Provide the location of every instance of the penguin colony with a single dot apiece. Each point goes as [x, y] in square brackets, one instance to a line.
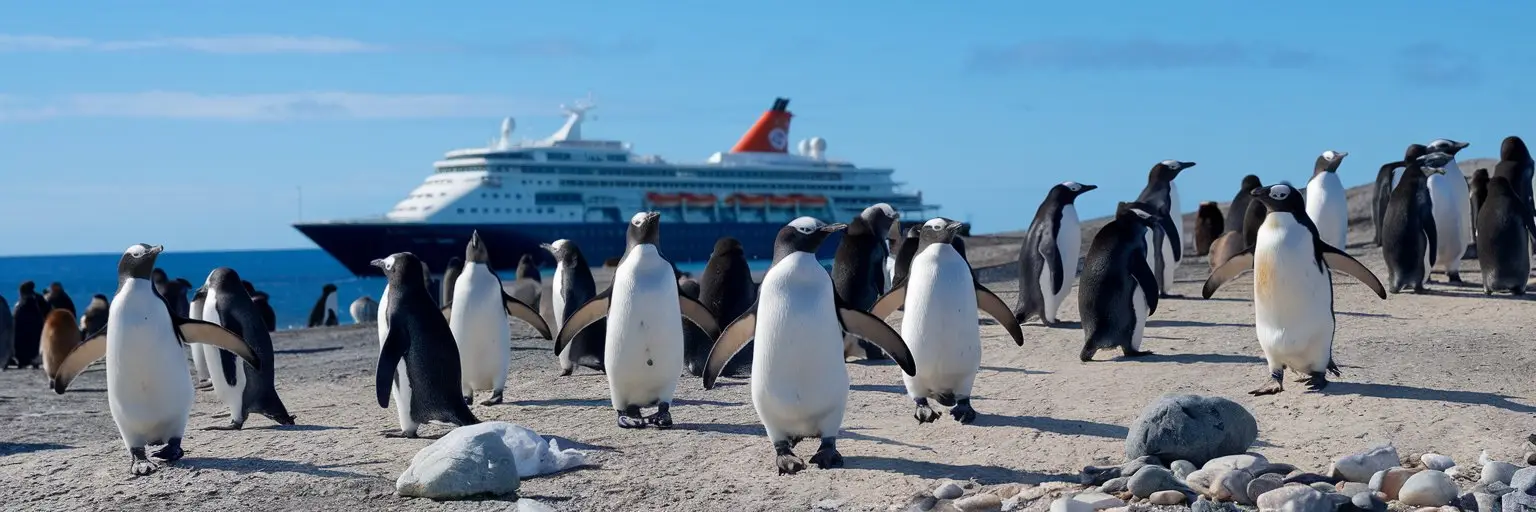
[794, 331]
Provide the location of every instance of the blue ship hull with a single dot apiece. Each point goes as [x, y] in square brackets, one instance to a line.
[355, 244]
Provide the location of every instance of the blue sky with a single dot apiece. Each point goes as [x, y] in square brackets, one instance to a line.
[194, 125]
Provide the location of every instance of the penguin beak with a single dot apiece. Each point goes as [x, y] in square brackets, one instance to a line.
[1339, 155]
[953, 226]
[1085, 188]
[377, 263]
[547, 247]
[1461, 145]
[833, 228]
[156, 249]
[1259, 191]
[1185, 165]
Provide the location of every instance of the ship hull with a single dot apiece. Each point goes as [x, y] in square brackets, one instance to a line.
[355, 244]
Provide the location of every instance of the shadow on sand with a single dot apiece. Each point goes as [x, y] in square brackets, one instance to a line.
[1190, 323]
[1059, 426]
[20, 448]
[307, 350]
[1194, 358]
[1438, 395]
[254, 465]
[985, 475]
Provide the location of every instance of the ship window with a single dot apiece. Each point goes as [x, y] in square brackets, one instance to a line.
[554, 156]
[519, 196]
[617, 158]
[461, 210]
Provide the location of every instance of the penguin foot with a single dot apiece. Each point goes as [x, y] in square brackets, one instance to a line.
[1128, 352]
[469, 399]
[1453, 278]
[787, 462]
[233, 425]
[663, 416]
[872, 352]
[962, 412]
[566, 372]
[1087, 354]
[171, 452]
[204, 385]
[1317, 381]
[282, 420]
[924, 413]
[398, 434]
[141, 465]
[630, 417]
[1271, 386]
[826, 456]
[495, 398]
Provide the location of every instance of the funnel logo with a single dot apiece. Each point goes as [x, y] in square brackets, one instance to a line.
[778, 138]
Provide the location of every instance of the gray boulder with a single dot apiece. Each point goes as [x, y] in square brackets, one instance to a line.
[1524, 494]
[1191, 427]
[457, 467]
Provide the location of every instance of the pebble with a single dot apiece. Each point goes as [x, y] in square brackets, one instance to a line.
[1437, 462]
[1099, 500]
[1298, 498]
[1167, 498]
[923, 503]
[1324, 488]
[948, 491]
[1524, 481]
[1115, 486]
[1152, 479]
[1264, 484]
[1182, 468]
[1389, 482]
[1428, 488]
[1232, 485]
[1253, 463]
[1351, 488]
[1498, 471]
[1309, 479]
[1361, 466]
[1006, 491]
[1070, 505]
[827, 505]
[984, 502]
[1368, 502]
[1530, 458]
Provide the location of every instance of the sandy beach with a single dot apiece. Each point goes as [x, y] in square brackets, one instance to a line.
[1449, 372]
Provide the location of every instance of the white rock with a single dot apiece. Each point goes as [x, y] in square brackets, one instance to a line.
[1361, 466]
[1070, 505]
[1250, 462]
[1428, 488]
[1294, 498]
[1437, 462]
[1099, 500]
[984, 502]
[460, 466]
[1167, 498]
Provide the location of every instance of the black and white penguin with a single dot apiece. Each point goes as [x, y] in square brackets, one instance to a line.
[1237, 211]
[58, 299]
[1518, 171]
[244, 388]
[1479, 193]
[893, 238]
[1381, 194]
[418, 359]
[1118, 289]
[1253, 218]
[1505, 226]
[263, 305]
[726, 288]
[941, 299]
[858, 268]
[479, 318]
[450, 277]
[1292, 289]
[148, 390]
[1209, 225]
[1167, 238]
[1048, 254]
[325, 311]
[7, 334]
[31, 309]
[904, 255]
[1409, 236]
[643, 350]
[529, 286]
[95, 316]
[1452, 210]
[1326, 204]
[199, 361]
[799, 381]
[573, 287]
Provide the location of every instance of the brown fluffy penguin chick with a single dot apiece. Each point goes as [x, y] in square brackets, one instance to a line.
[60, 337]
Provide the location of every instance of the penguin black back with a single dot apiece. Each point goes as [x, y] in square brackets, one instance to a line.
[7, 333]
[1408, 229]
[30, 311]
[1479, 190]
[727, 289]
[904, 255]
[321, 314]
[1209, 224]
[527, 269]
[450, 277]
[1115, 266]
[95, 316]
[238, 314]
[1237, 212]
[58, 299]
[419, 334]
[858, 276]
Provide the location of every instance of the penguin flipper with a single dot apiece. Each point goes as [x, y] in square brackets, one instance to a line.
[87, 352]
[731, 340]
[584, 316]
[228, 363]
[988, 301]
[1148, 283]
[1429, 231]
[1171, 233]
[890, 301]
[389, 358]
[1234, 267]
[209, 333]
[874, 330]
[700, 315]
[522, 311]
[1052, 257]
[1338, 260]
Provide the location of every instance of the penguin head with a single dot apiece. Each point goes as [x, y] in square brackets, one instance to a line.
[138, 262]
[726, 245]
[1447, 146]
[1167, 170]
[456, 263]
[1138, 212]
[1414, 151]
[805, 234]
[475, 251]
[914, 231]
[880, 217]
[1480, 175]
[1513, 149]
[564, 251]
[225, 279]
[1067, 191]
[55, 287]
[202, 293]
[938, 230]
[325, 290]
[402, 269]
[526, 264]
[1434, 163]
[644, 228]
[1329, 161]
[1280, 197]
[249, 288]
[1251, 182]
[158, 275]
[27, 288]
[98, 297]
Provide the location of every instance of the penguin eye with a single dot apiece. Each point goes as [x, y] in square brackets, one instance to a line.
[1280, 193]
[1171, 164]
[1073, 186]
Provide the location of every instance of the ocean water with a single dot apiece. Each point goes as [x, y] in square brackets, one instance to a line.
[293, 278]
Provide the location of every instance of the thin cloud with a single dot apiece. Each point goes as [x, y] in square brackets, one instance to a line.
[1435, 65]
[263, 107]
[231, 44]
[1134, 54]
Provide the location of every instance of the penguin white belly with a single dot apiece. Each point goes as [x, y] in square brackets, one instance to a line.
[890, 264]
[643, 352]
[1139, 306]
[1148, 238]
[480, 329]
[147, 386]
[559, 312]
[1328, 208]
[1463, 198]
[799, 380]
[1397, 175]
[402, 385]
[331, 307]
[1069, 241]
[233, 395]
[1292, 299]
[1169, 265]
[199, 362]
[1450, 237]
[940, 324]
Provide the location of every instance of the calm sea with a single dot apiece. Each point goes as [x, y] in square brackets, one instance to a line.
[292, 278]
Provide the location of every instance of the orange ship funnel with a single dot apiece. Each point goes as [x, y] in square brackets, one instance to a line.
[770, 134]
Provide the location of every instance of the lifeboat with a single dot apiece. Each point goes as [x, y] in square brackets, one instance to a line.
[816, 201]
[663, 200]
[699, 200]
[783, 201]
[747, 200]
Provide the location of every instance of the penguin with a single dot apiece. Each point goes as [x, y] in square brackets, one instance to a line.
[1409, 236]
[450, 277]
[529, 285]
[1048, 254]
[1167, 240]
[29, 313]
[199, 361]
[242, 387]
[726, 288]
[1253, 218]
[688, 286]
[893, 238]
[1238, 209]
[799, 380]
[1451, 208]
[263, 305]
[1519, 171]
[417, 355]
[148, 390]
[1505, 225]
[941, 299]
[95, 316]
[7, 333]
[858, 276]
[1326, 204]
[1479, 193]
[478, 318]
[904, 255]
[1209, 225]
[573, 287]
[324, 313]
[1381, 195]
[643, 350]
[364, 310]
[1226, 246]
[1292, 289]
[1118, 289]
[58, 299]
[59, 337]
[173, 291]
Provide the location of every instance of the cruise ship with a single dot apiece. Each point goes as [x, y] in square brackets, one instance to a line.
[519, 194]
